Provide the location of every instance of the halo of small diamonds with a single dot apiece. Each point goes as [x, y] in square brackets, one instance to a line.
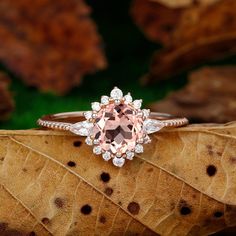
[117, 127]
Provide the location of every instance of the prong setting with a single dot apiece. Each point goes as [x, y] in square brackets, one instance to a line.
[138, 148]
[137, 103]
[146, 113]
[129, 155]
[106, 156]
[96, 141]
[116, 93]
[89, 141]
[88, 115]
[97, 150]
[105, 100]
[128, 98]
[96, 106]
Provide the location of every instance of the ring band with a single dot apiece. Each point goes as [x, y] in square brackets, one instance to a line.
[51, 121]
[117, 127]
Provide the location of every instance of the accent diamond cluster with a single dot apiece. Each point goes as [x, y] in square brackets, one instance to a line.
[117, 127]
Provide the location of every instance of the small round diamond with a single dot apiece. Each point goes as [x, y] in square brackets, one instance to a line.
[88, 115]
[128, 98]
[96, 141]
[116, 93]
[137, 103]
[117, 102]
[94, 115]
[89, 141]
[140, 140]
[96, 106]
[129, 155]
[146, 139]
[97, 150]
[138, 148]
[106, 156]
[146, 112]
[118, 161]
[105, 100]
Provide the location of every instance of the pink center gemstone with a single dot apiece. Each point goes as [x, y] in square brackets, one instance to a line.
[117, 128]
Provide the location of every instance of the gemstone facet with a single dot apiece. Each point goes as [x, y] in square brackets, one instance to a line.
[117, 129]
[151, 125]
[81, 128]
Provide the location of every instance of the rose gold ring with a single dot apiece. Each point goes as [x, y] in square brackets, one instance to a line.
[117, 127]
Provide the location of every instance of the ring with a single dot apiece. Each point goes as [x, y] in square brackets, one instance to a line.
[116, 127]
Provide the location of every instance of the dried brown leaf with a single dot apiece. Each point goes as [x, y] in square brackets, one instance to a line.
[6, 102]
[49, 44]
[209, 97]
[191, 35]
[51, 180]
[184, 3]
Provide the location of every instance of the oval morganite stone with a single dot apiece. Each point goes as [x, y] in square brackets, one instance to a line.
[117, 128]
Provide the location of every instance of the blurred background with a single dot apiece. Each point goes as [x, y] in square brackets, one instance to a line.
[178, 56]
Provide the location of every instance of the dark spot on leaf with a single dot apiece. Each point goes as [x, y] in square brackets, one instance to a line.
[210, 151]
[133, 208]
[37, 169]
[218, 214]
[86, 209]
[2, 158]
[59, 202]
[184, 208]
[150, 170]
[232, 160]
[45, 220]
[108, 191]
[120, 203]
[77, 143]
[46, 141]
[209, 147]
[32, 233]
[71, 163]
[24, 169]
[211, 170]
[3, 226]
[105, 177]
[219, 154]
[102, 219]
